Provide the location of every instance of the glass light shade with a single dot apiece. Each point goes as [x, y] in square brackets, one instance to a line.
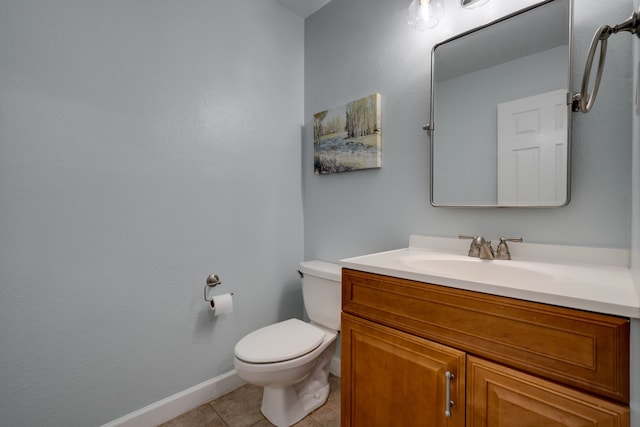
[471, 4]
[425, 14]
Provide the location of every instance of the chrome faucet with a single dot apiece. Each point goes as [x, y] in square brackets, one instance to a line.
[480, 247]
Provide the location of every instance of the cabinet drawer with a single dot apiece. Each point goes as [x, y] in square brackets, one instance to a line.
[585, 350]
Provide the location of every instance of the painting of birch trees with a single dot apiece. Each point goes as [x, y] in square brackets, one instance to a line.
[348, 137]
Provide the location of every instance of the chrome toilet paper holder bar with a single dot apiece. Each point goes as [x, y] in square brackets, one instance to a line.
[212, 280]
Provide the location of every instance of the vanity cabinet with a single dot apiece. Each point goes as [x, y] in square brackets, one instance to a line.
[514, 363]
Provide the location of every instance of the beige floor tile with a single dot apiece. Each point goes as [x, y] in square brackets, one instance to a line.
[263, 423]
[241, 407]
[202, 416]
[307, 422]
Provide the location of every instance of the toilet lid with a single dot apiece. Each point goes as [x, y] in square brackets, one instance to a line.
[279, 342]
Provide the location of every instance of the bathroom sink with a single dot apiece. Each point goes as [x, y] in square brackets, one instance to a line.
[593, 279]
[468, 268]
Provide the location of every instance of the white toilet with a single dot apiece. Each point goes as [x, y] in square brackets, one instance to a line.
[290, 359]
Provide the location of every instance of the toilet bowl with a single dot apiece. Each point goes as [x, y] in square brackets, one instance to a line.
[291, 359]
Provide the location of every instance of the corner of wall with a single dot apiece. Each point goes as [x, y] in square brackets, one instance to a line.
[635, 215]
[635, 226]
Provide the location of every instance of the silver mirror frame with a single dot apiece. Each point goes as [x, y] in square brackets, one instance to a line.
[429, 128]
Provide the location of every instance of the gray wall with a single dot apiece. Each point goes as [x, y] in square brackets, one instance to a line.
[635, 243]
[635, 114]
[143, 146]
[357, 47]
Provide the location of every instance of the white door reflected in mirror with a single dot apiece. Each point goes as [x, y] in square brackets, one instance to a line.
[532, 150]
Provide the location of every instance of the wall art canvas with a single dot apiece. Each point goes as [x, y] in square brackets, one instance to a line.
[348, 137]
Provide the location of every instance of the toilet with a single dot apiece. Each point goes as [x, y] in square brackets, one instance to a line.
[291, 359]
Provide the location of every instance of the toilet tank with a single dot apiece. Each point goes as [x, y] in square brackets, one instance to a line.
[322, 292]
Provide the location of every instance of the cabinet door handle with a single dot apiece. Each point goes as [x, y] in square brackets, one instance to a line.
[449, 403]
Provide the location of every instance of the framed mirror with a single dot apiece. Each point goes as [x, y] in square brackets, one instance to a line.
[500, 122]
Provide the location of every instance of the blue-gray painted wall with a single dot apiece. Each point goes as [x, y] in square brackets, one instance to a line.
[635, 228]
[357, 47]
[143, 145]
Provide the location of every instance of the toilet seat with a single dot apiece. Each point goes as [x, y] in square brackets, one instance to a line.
[279, 342]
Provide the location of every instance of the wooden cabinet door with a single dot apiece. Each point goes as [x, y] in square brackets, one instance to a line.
[502, 397]
[391, 378]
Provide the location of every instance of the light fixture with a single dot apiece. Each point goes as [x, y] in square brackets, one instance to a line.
[425, 14]
[470, 4]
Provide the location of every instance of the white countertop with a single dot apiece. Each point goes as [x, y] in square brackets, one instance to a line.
[592, 279]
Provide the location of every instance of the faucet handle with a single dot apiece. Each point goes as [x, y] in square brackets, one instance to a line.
[477, 240]
[502, 251]
[476, 243]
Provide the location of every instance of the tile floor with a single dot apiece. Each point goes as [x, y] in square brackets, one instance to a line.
[241, 408]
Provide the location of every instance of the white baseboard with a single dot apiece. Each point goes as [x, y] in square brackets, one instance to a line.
[184, 401]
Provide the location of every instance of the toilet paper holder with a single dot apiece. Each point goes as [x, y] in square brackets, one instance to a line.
[212, 281]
